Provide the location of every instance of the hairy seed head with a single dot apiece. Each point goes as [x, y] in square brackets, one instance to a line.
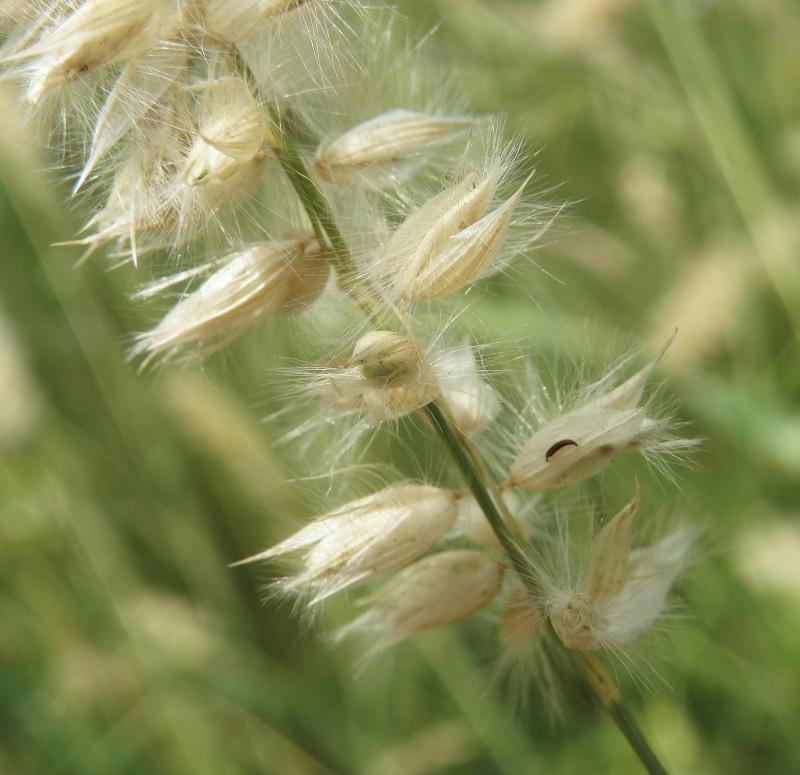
[95, 34]
[365, 538]
[434, 591]
[237, 20]
[450, 241]
[386, 148]
[623, 591]
[231, 131]
[385, 376]
[585, 441]
[262, 281]
[138, 203]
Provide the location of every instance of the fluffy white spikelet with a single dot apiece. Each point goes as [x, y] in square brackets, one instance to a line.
[174, 180]
[521, 621]
[471, 401]
[139, 203]
[95, 34]
[385, 376]
[450, 241]
[623, 592]
[231, 131]
[609, 555]
[583, 442]
[366, 538]
[437, 590]
[141, 85]
[264, 280]
[387, 148]
[237, 20]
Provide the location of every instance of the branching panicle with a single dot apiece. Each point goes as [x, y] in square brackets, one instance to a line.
[225, 133]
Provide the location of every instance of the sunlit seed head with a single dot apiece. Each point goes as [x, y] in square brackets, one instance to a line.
[386, 375]
[620, 591]
[451, 241]
[138, 202]
[231, 131]
[386, 148]
[464, 258]
[366, 538]
[132, 101]
[417, 242]
[95, 34]
[238, 20]
[432, 592]
[579, 445]
[262, 281]
[585, 441]
[176, 182]
[385, 355]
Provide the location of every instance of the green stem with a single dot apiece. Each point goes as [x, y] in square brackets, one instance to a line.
[627, 725]
[323, 223]
[605, 690]
[311, 197]
[322, 220]
[476, 481]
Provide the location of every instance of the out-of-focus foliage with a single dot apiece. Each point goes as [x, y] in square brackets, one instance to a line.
[126, 643]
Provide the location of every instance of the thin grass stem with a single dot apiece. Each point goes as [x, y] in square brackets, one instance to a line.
[607, 693]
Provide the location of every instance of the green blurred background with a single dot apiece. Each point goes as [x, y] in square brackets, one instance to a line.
[127, 644]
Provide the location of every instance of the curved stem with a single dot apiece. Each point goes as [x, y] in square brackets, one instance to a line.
[321, 217]
[462, 453]
[311, 197]
[314, 203]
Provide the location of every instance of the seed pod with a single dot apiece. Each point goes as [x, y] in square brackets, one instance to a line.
[141, 85]
[237, 20]
[385, 355]
[231, 131]
[385, 376]
[386, 148]
[139, 204]
[437, 590]
[366, 538]
[450, 241]
[262, 281]
[586, 440]
[96, 34]
[622, 591]
[597, 437]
